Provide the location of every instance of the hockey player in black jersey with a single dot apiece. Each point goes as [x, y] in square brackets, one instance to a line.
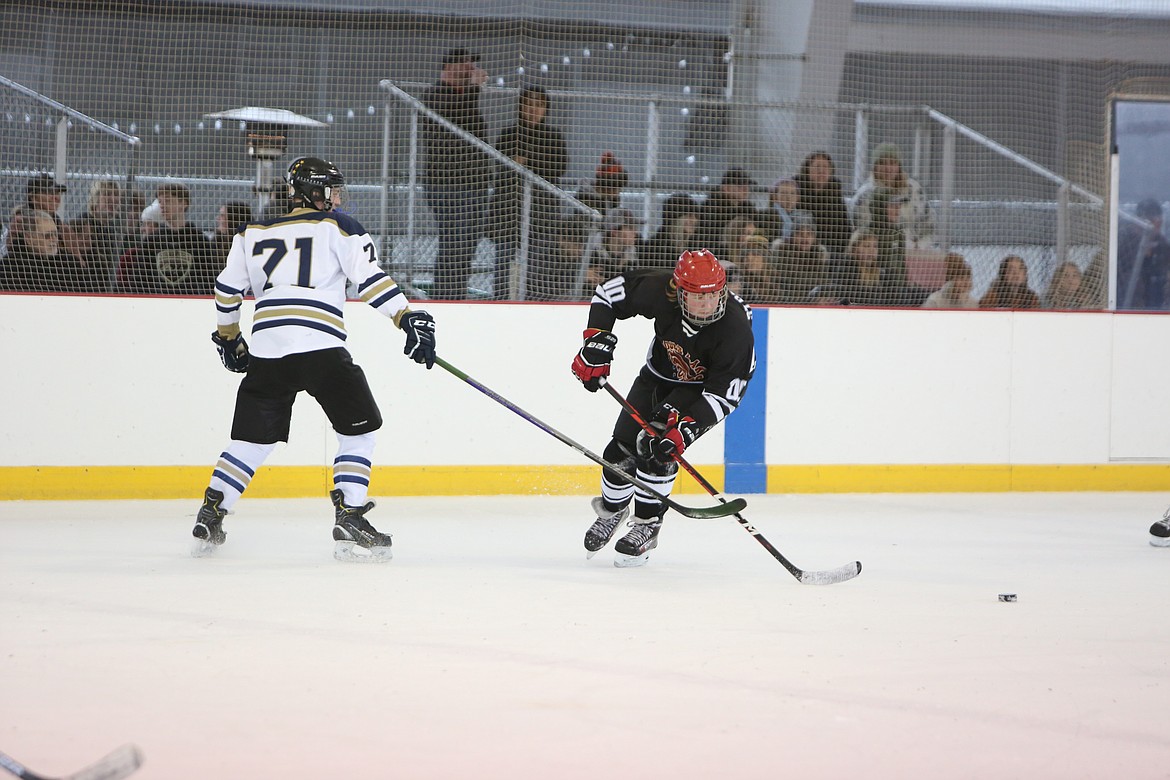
[297, 266]
[698, 369]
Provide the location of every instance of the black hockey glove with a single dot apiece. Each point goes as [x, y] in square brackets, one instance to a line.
[593, 359]
[676, 435]
[233, 352]
[420, 337]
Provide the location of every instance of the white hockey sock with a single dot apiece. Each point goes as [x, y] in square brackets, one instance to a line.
[351, 467]
[616, 494]
[647, 505]
[236, 467]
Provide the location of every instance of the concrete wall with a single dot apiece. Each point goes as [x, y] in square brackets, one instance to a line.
[108, 397]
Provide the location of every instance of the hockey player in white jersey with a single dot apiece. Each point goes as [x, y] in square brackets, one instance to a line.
[297, 266]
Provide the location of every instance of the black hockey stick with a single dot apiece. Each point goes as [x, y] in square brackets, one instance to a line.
[828, 577]
[123, 762]
[707, 511]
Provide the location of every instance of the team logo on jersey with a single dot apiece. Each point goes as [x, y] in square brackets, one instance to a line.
[174, 265]
[686, 368]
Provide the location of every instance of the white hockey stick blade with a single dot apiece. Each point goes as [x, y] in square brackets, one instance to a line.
[831, 576]
[123, 762]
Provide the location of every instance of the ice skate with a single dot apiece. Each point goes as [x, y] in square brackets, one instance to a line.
[634, 548]
[603, 527]
[354, 539]
[1160, 531]
[208, 530]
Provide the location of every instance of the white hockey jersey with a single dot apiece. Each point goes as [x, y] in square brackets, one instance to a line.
[297, 266]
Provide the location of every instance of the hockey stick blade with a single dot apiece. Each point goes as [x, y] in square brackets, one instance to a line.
[829, 577]
[121, 763]
[722, 509]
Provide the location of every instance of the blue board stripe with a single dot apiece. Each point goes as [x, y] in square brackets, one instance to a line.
[744, 461]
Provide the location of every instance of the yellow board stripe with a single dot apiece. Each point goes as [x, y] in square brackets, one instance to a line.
[164, 482]
[966, 478]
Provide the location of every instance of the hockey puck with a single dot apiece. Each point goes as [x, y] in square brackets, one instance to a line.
[1007, 597]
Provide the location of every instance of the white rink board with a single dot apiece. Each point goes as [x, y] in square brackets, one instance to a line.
[124, 382]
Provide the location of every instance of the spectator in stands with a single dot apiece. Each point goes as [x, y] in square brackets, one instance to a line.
[820, 194]
[228, 220]
[956, 290]
[41, 193]
[1010, 288]
[563, 277]
[731, 200]
[801, 264]
[889, 178]
[79, 253]
[538, 146]
[755, 278]
[36, 263]
[10, 236]
[131, 274]
[106, 226]
[175, 258]
[735, 233]
[456, 174]
[605, 193]
[1143, 260]
[783, 199]
[12, 271]
[680, 222]
[862, 280]
[1066, 290]
[883, 221]
[609, 253]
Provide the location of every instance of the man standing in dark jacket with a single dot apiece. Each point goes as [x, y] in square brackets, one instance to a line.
[456, 173]
[539, 147]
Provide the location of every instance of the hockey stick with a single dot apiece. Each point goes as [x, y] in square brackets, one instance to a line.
[827, 577]
[707, 511]
[123, 762]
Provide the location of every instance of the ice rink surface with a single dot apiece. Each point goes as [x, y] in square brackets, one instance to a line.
[489, 648]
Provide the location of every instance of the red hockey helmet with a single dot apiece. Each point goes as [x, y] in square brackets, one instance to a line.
[702, 286]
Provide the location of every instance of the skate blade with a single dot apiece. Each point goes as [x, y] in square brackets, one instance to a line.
[201, 548]
[350, 552]
[1159, 541]
[623, 561]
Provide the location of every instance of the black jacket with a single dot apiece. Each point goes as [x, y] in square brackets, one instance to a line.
[450, 160]
[547, 156]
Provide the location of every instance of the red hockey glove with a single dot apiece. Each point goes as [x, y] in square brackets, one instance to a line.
[593, 359]
[680, 432]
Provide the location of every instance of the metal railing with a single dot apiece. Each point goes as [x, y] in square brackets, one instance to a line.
[67, 116]
[517, 286]
[1070, 198]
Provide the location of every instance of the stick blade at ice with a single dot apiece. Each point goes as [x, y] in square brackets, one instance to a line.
[831, 576]
[123, 762]
[718, 510]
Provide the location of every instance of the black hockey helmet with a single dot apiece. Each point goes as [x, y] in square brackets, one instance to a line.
[312, 181]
